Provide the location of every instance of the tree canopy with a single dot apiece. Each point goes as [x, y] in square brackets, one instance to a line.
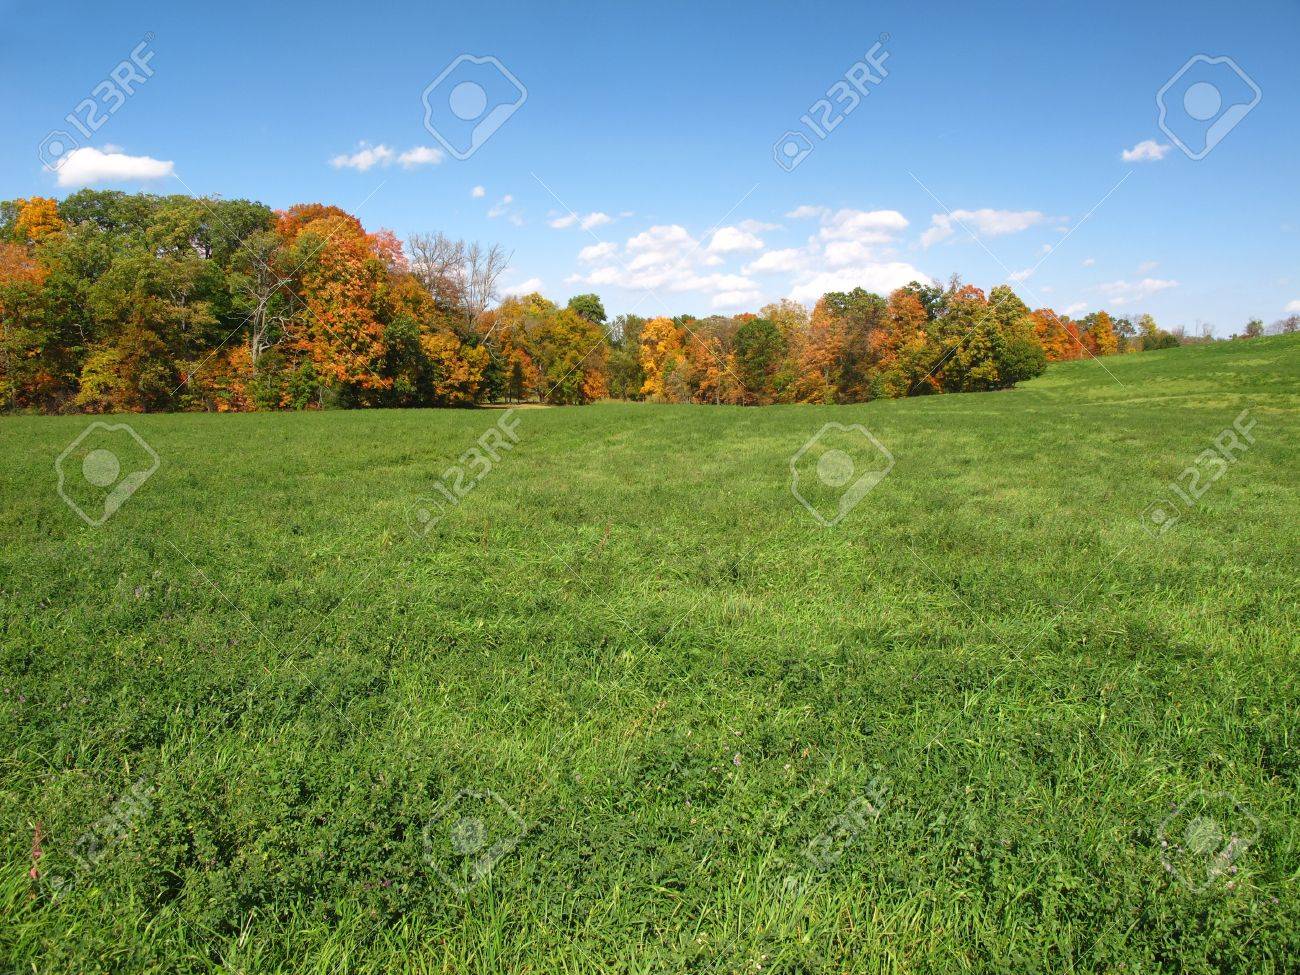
[113, 302]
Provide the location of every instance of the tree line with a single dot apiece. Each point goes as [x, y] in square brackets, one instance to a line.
[114, 302]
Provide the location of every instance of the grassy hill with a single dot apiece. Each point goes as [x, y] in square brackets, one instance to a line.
[629, 707]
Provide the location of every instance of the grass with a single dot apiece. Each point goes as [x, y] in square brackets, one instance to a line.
[946, 735]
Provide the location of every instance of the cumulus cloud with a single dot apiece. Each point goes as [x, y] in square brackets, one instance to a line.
[736, 299]
[881, 278]
[585, 221]
[1147, 266]
[667, 257]
[784, 259]
[1148, 150]
[839, 253]
[82, 167]
[850, 248]
[421, 156]
[364, 158]
[1089, 261]
[478, 192]
[523, 287]
[1128, 292]
[1022, 275]
[368, 156]
[863, 226]
[1075, 308]
[597, 252]
[983, 223]
[660, 244]
[728, 239]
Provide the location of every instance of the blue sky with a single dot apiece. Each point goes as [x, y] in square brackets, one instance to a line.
[655, 125]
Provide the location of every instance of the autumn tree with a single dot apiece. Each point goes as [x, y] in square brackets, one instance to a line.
[1050, 331]
[260, 284]
[759, 347]
[820, 355]
[515, 386]
[36, 219]
[1099, 334]
[909, 355]
[589, 306]
[662, 355]
[571, 352]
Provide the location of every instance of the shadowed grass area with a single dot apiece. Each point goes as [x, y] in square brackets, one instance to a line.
[629, 707]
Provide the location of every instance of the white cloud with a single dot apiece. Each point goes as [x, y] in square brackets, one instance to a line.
[849, 250]
[736, 299]
[982, 223]
[478, 192]
[82, 167]
[597, 252]
[1075, 308]
[586, 222]
[1128, 292]
[880, 278]
[728, 239]
[785, 259]
[364, 158]
[661, 242]
[1292, 307]
[839, 253]
[1147, 266]
[1022, 275]
[367, 157]
[665, 257]
[523, 287]
[864, 226]
[421, 156]
[1148, 150]
[1089, 261]
[501, 208]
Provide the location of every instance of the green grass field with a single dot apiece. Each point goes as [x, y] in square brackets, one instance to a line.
[629, 707]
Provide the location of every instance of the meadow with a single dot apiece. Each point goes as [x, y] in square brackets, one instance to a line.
[628, 707]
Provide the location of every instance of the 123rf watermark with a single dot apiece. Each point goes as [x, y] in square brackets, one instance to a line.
[469, 835]
[1203, 839]
[841, 100]
[100, 470]
[103, 102]
[836, 468]
[456, 483]
[93, 845]
[1198, 476]
[471, 98]
[827, 848]
[1203, 101]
